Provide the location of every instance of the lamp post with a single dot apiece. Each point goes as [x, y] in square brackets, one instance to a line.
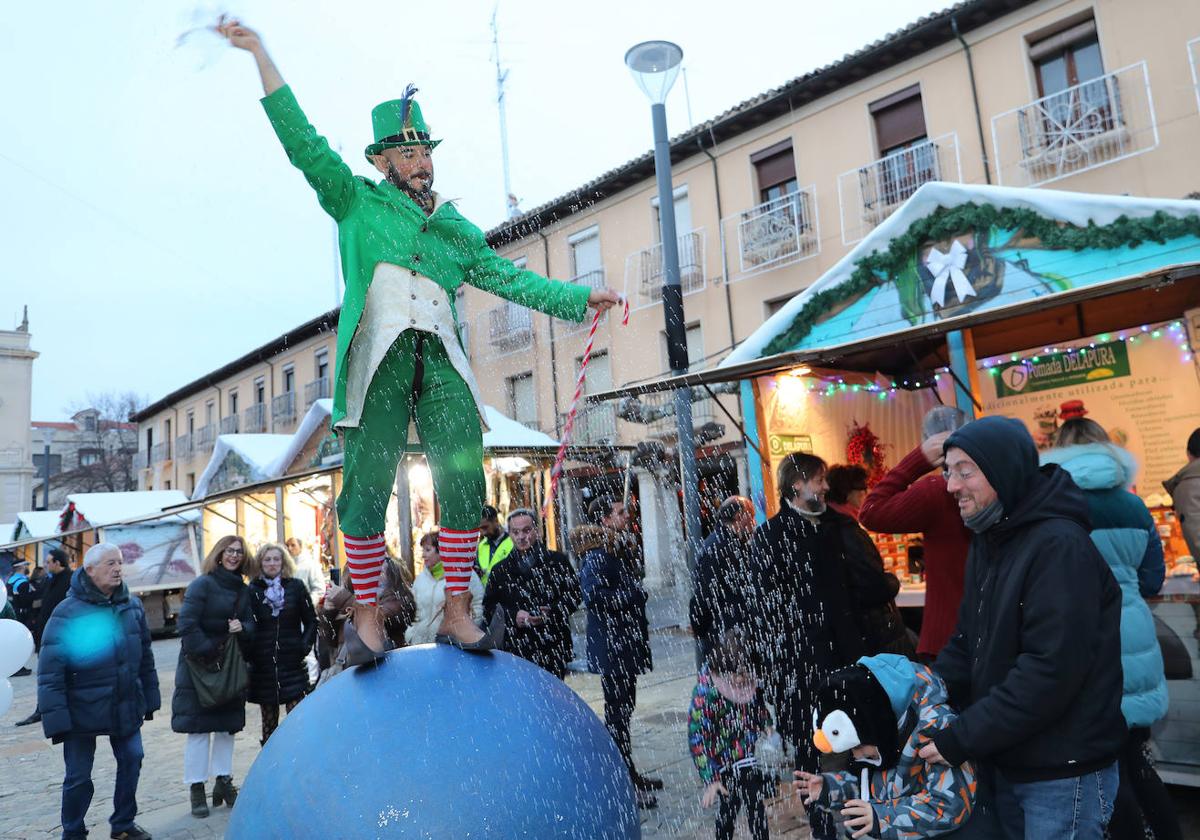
[654, 65]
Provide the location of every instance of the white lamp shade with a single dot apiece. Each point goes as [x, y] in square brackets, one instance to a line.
[654, 65]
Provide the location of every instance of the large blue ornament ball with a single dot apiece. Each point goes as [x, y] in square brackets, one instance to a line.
[439, 744]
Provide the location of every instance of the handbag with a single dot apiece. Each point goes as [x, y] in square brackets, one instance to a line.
[223, 677]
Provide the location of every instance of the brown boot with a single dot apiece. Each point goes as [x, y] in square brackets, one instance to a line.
[355, 651]
[459, 630]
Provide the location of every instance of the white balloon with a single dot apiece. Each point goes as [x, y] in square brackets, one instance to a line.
[16, 646]
[6, 695]
[3, 596]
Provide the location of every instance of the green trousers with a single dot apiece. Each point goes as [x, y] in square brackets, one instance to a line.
[415, 379]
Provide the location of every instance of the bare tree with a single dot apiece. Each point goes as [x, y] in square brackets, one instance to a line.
[107, 442]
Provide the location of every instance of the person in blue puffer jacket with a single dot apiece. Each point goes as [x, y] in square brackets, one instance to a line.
[1124, 532]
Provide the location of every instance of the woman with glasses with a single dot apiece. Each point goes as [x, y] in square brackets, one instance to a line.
[216, 612]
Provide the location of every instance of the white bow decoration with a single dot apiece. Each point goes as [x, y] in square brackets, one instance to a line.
[949, 266]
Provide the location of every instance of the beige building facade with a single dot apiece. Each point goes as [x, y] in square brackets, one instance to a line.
[267, 391]
[1083, 96]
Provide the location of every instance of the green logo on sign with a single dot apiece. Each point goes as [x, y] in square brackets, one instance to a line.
[1061, 370]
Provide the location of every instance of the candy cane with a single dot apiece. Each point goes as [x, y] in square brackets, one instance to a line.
[569, 426]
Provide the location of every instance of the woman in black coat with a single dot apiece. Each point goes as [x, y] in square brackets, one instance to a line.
[285, 630]
[216, 610]
[872, 590]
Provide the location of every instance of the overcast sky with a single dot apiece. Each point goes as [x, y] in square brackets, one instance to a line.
[154, 227]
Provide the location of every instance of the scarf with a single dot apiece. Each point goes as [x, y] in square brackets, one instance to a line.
[848, 509]
[986, 518]
[274, 595]
[435, 570]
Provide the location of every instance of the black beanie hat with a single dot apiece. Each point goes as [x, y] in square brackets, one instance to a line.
[857, 692]
[1004, 450]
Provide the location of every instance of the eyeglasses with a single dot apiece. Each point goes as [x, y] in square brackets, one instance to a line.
[235, 552]
[961, 475]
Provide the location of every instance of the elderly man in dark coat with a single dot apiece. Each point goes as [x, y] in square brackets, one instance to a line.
[96, 677]
[538, 591]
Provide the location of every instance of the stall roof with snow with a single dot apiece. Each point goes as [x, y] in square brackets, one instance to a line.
[239, 460]
[98, 509]
[36, 524]
[955, 254]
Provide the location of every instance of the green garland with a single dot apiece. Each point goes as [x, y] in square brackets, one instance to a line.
[884, 266]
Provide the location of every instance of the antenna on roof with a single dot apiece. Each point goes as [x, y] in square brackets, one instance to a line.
[510, 200]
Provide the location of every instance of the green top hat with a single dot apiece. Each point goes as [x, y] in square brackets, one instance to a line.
[398, 122]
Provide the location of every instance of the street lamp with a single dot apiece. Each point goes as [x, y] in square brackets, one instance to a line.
[654, 65]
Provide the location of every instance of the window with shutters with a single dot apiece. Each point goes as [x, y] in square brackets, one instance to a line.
[907, 158]
[775, 171]
[1069, 72]
[522, 400]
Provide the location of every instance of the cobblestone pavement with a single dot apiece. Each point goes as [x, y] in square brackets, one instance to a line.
[31, 768]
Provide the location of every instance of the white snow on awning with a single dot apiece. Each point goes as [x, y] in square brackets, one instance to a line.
[36, 524]
[506, 433]
[8, 532]
[260, 452]
[318, 413]
[105, 508]
[1072, 207]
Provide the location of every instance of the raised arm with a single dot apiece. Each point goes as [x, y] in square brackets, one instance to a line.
[308, 151]
[245, 38]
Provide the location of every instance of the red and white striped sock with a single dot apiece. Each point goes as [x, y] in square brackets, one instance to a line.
[364, 559]
[458, 550]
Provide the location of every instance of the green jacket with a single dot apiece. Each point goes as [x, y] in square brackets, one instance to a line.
[378, 223]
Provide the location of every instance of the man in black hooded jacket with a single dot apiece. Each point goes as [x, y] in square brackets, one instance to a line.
[1035, 662]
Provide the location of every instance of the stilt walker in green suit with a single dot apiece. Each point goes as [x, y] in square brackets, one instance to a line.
[404, 253]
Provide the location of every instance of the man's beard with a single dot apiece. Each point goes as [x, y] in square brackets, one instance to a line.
[421, 193]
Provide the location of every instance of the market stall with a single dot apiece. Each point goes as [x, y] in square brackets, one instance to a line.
[1033, 304]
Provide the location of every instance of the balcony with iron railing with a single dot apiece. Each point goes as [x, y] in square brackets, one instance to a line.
[595, 425]
[869, 194]
[1094, 123]
[318, 389]
[510, 328]
[283, 409]
[160, 452]
[645, 274]
[593, 280]
[141, 460]
[184, 447]
[205, 437]
[229, 424]
[254, 419]
[773, 234]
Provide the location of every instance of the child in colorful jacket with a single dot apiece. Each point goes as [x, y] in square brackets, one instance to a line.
[883, 709]
[727, 717]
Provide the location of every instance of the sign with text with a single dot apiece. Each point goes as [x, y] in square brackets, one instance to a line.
[1062, 370]
[1144, 393]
